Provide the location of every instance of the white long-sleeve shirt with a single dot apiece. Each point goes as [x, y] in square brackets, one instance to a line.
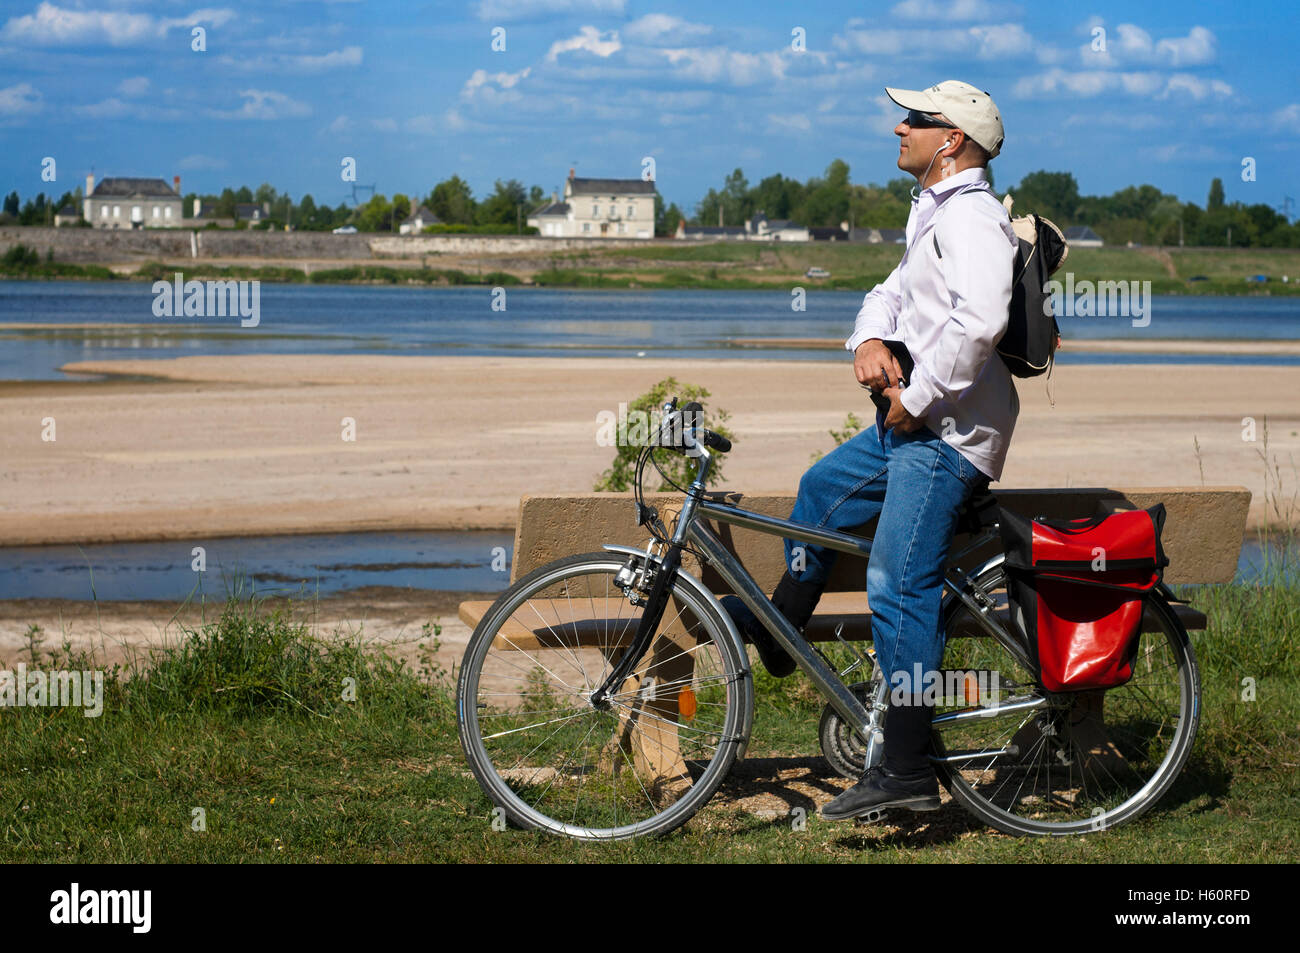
[950, 311]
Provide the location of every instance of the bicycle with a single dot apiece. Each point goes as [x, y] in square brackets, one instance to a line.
[584, 713]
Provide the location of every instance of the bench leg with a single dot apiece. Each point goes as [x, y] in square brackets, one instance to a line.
[647, 735]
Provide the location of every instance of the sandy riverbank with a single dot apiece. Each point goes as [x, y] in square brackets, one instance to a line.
[254, 445]
[120, 632]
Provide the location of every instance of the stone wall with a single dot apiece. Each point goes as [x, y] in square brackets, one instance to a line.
[113, 246]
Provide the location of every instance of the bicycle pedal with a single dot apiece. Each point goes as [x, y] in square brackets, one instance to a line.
[873, 816]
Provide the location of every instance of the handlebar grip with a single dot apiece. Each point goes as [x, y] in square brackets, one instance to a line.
[717, 442]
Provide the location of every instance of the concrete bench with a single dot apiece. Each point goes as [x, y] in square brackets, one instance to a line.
[1203, 533]
[1202, 537]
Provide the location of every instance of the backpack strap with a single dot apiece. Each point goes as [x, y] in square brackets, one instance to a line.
[934, 230]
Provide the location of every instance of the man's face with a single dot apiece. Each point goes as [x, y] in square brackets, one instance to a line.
[917, 146]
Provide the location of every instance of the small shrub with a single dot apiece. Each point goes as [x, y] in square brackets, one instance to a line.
[675, 464]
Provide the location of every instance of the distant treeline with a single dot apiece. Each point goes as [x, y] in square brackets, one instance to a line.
[1139, 214]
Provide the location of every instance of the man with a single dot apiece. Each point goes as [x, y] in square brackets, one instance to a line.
[945, 435]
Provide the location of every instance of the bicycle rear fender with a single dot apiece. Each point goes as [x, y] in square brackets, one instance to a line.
[689, 581]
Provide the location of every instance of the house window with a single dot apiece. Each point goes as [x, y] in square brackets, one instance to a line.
[631, 211]
[155, 211]
[117, 211]
[586, 226]
[167, 212]
[103, 211]
[622, 228]
[595, 211]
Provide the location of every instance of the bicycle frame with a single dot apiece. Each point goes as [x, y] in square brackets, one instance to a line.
[690, 527]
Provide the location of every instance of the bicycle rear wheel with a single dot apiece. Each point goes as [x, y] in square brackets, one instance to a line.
[1078, 762]
[643, 764]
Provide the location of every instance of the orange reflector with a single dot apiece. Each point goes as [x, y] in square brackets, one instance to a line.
[686, 703]
[972, 686]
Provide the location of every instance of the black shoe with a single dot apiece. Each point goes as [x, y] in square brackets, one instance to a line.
[774, 658]
[880, 789]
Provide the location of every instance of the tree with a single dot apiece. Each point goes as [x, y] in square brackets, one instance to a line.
[1053, 195]
[307, 214]
[452, 201]
[505, 206]
[11, 204]
[666, 220]
[1215, 199]
[376, 215]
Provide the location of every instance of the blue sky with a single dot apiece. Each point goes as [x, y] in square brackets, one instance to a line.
[1171, 93]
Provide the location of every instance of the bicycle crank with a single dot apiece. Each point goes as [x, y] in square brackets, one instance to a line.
[846, 750]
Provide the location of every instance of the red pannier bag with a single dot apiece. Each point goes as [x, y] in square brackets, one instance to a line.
[1079, 587]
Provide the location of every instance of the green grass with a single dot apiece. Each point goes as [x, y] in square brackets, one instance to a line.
[247, 720]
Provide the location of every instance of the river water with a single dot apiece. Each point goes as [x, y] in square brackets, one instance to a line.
[108, 320]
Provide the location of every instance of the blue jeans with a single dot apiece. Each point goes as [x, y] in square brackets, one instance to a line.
[916, 484]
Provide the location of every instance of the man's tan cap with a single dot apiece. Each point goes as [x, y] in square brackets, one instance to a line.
[969, 109]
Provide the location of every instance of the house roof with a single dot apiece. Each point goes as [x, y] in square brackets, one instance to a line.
[1077, 233]
[552, 208]
[424, 215]
[611, 187]
[773, 224]
[714, 230]
[122, 187]
[67, 210]
[827, 232]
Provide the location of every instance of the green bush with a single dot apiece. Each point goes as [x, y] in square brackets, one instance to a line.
[676, 465]
[20, 256]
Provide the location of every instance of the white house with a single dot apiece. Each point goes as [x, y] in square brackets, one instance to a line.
[418, 221]
[598, 208]
[133, 203]
[762, 228]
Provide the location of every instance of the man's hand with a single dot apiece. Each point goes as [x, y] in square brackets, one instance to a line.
[898, 416]
[872, 361]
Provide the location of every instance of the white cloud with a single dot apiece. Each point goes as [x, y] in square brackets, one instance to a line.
[424, 124]
[590, 39]
[994, 41]
[1197, 47]
[21, 100]
[719, 64]
[501, 10]
[1129, 44]
[790, 122]
[134, 86]
[1195, 87]
[264, 104]
[1288, 116]
[952, 10]
[384, 125]
[662, 29]
[492, 88]
[1006, 39]
[1089, 83]
[51, 25]
[297, 62]
[339, 126]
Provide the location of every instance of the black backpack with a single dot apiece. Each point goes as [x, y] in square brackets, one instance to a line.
[1031, 338]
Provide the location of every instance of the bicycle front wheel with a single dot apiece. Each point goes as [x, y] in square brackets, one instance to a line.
[1029, 762]
[642, 764]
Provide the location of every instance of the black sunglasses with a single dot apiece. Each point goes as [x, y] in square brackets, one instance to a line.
[919, 120]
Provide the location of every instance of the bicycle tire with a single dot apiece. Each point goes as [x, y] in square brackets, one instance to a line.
[1086, 762]
[552, 761]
